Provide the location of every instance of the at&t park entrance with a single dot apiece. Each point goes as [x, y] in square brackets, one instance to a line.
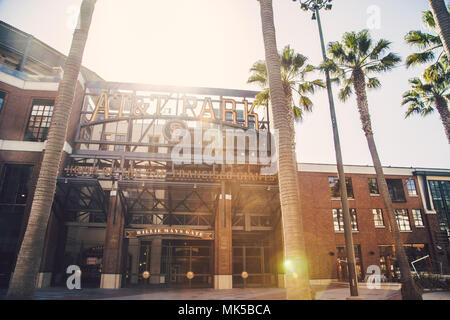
[170, 186]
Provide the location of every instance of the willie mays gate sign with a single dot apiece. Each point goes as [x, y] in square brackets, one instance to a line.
[121, 174]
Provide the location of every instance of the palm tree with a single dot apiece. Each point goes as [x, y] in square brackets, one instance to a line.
[442, 19]
[353, 61]
[293, 72]
[23, 281]
[430, 94]
[297, 277]
[429, 44]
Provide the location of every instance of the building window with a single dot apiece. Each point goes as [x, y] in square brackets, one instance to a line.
[342, 268]
[417, 216]
[14, 188]
[411, 186]
[334, 187]
[402, 218]
[440, 194]
[2, 99]
[396, 190]
[39, 121]
[373, 186]
[378, 217]
[338, 219]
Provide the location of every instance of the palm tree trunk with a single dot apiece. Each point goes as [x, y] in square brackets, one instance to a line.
[409, 289]
[288, 94]
[442, 18]
[23, 281]
[442, 108]
[297, 275]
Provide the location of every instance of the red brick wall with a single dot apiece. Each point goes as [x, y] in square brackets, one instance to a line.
[320, 237]
[17, 108]
[13, 121]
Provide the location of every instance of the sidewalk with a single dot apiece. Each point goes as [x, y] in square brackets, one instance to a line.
[332, 291]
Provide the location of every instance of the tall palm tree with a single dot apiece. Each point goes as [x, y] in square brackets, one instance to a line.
[442, 19]
[353, 61]
[293, 72]
[23, 281]
[297, 275]
[430, 94]
[429, 44]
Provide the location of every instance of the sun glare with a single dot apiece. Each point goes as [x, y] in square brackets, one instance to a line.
[167, 43]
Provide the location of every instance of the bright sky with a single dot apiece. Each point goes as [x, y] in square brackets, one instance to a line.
[213, 43]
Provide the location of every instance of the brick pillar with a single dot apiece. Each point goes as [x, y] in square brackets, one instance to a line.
[222, 244]
[114, 245]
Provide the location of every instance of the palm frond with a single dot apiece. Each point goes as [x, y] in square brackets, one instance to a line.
[379, 48]
[258, 73]
[428, 19]
[298, 113]
[364, 43]
[422, 40]
[345, 93]
[331, 67]
[310, 86]
[263, 97]
[305, 102]
[349, 39]
[389, 61]
[337, 52]
[373, 83]
[419, 58]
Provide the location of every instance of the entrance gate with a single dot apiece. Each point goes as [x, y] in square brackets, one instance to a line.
[174, 259]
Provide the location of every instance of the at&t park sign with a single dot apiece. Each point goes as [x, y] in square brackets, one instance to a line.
[115, 105]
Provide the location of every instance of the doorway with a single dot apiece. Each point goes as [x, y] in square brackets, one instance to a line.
[174, 258]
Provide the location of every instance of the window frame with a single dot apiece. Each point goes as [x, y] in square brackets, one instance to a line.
[421, 223]
[376, 186]
[400, 223]
[2, 104]
[42, 131]
[338, 219]
[379, 213]
[348, 184]
[408, 189]
[394, 190]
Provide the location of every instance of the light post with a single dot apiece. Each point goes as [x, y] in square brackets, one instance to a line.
[315, 6]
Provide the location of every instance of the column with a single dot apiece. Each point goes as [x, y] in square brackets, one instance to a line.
[222, 244]
[155, 261]
[133, 249]
[278, 251]
[114, 245]
[52, 241]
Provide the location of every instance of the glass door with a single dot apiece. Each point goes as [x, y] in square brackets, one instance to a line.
[182, 256]
[255, 260]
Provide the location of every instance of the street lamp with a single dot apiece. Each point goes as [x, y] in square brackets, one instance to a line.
[315, 6]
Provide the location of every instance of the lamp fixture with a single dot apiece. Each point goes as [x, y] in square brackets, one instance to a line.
[314, 5]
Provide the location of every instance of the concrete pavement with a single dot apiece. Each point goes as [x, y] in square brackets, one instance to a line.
[331, 291]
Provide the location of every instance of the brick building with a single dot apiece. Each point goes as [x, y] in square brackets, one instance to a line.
[127, 214]
[419, 225]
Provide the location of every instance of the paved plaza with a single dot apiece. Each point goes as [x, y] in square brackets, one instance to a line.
[333, 291]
